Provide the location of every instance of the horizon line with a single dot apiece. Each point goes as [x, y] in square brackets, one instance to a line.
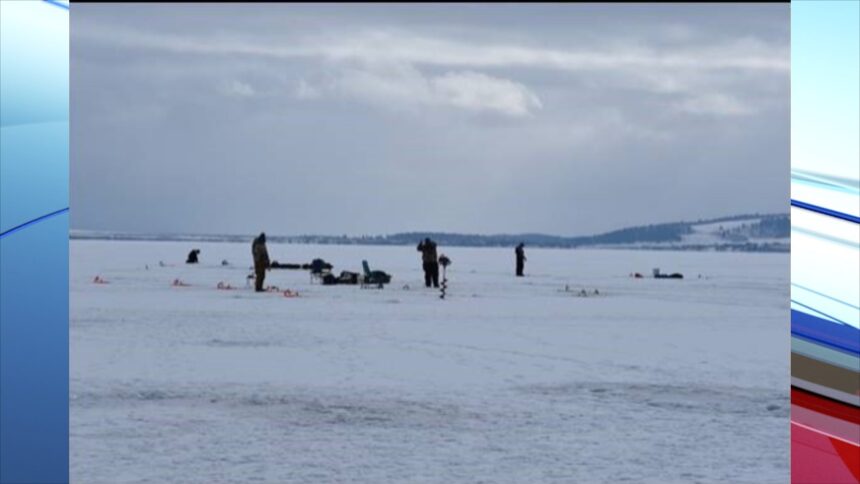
[404, 232]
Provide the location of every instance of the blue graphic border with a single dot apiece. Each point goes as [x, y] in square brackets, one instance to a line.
[34, 247]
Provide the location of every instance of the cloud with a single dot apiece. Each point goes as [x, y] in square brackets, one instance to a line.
[381, 45]
[304, 90]
[403, 87]
[480, 92]
[715, 104]
[390, 46]
[238, 89]
[516, 117]
[397, 86]
[387, 66]
[697, 79]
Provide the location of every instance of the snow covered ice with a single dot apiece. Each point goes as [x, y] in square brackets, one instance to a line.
[507, 380]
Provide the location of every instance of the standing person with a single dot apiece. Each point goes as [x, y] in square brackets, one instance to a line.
[521, 259]
[431, 263]
[261, 260]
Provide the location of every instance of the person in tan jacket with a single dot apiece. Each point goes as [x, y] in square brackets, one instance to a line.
[261, 261]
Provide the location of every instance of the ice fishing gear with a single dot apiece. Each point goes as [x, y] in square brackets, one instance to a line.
[580, 293]
[444, 261]
[377, 279]
[660, 275]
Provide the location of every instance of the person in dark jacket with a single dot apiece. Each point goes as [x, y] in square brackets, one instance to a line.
[261, 260]
[521, 259]
[431, 263]
[192, 257]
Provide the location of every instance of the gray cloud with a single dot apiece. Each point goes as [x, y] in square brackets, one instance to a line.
[402, 87]
[558, 118]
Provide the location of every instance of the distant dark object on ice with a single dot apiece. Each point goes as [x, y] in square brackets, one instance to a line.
[581, 292]
[192, 257]
[314, 265]
[320, 269]
[319, 266]
[277, 265]
[346, 277]
[659, 275]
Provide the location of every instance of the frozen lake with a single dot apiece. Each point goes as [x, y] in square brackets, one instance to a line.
[508, 380]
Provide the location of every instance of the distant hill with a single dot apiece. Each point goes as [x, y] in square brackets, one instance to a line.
[749, 233]
[755, 232]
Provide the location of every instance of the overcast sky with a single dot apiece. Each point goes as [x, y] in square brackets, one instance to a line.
[567, 119]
